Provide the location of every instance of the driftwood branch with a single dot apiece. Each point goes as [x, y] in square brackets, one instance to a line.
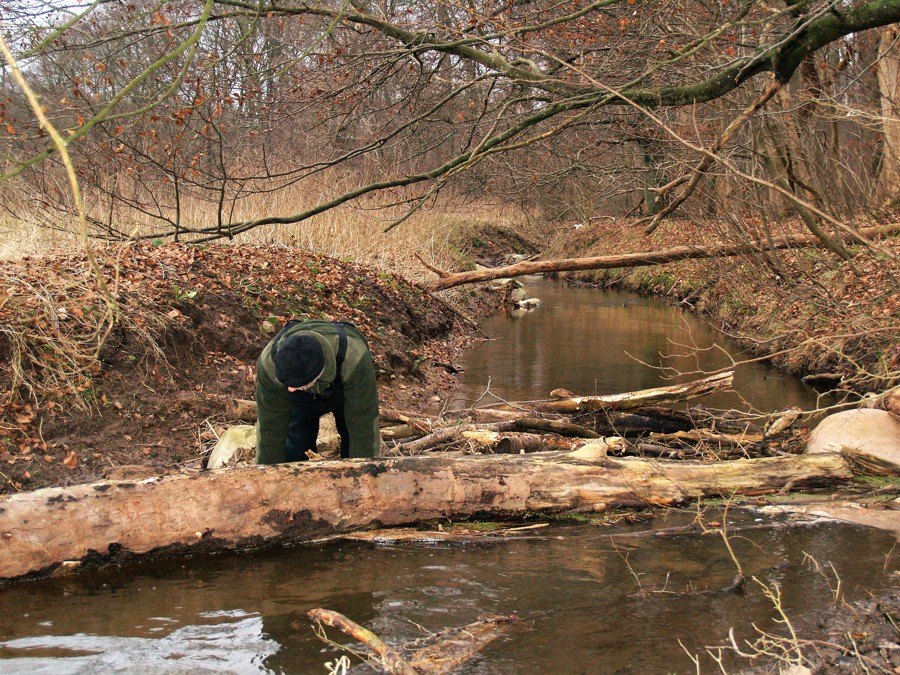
[674, 254]
[643, 397]
[454, 646]
[389, 659]
[445, 652]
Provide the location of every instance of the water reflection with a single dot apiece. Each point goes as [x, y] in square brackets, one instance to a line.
[231, 642]
[590, 602]
[593, 341]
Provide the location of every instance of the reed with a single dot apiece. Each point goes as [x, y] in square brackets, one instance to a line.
[355, 231]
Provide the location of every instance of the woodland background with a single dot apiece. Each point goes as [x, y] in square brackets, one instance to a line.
[203, 120]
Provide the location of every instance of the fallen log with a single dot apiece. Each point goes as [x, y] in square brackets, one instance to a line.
[554, 426]
[641, 398]
[249, 507]
[731, 421]
[608, 422]
[241, 410]
[396, 535]
[654, 450]
[705, 435]
[867, 464]
[441, 438]
[662, 257]
[614, 423]
[520, 443]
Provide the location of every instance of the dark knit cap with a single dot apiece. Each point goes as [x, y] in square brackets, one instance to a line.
[299, 360]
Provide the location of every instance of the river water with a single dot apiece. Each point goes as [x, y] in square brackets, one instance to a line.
[592, 599]
[592, 341]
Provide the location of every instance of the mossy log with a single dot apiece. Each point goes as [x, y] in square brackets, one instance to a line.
[240, 508]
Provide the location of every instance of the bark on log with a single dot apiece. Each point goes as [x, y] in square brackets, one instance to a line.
[554, 426]
[693, 417]
[261, 505]
[614, 423]
[441, 437]
[399, 432]
[867, 464]
[649, 258]
[653, 450]
[520, 443]
[699, 435]
[241, 409]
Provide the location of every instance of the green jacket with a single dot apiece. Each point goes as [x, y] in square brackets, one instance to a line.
[273, 400]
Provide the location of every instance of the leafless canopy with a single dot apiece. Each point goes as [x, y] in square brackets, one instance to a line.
[575, 109]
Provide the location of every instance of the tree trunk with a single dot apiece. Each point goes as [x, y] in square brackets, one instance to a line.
[889, 84]
[250, 507]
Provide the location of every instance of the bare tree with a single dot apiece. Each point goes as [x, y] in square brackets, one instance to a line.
[625, 104]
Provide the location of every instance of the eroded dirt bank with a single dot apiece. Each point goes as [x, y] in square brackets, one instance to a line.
[188, 326]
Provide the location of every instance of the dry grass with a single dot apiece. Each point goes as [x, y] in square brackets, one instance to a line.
[349, 232]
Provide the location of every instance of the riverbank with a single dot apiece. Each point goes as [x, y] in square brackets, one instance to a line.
[835, 322]
[97, 380]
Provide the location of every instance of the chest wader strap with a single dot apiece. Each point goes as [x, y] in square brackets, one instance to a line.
[342, 349]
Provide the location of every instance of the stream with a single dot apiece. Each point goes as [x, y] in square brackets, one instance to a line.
[593, 342]
[592, 599]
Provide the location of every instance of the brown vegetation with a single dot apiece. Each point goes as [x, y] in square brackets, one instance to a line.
[85, 392]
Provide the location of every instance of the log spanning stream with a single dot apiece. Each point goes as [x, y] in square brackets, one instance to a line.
[635, 597]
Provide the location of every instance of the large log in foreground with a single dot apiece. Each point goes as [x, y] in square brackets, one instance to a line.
[261, 505]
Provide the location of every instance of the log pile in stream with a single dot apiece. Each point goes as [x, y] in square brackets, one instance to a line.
[529, 458]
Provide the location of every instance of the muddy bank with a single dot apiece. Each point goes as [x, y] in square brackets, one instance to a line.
[99, 381]
[813, 314]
